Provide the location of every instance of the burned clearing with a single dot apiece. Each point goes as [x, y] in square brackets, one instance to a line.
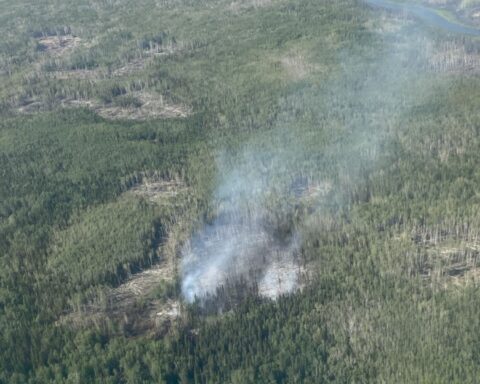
[231, 252]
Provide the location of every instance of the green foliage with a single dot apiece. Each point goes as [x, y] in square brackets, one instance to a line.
[305, 85]
[105, 244]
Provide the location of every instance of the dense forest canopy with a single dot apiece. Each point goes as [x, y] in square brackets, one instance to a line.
[256, 191]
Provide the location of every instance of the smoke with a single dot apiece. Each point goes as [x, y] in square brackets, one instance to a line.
[242, 242]
[326, 141]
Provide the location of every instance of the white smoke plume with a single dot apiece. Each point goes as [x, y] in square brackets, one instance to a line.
[239, 244]
[328, 138]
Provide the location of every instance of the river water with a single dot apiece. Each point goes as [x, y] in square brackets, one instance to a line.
[428, 15]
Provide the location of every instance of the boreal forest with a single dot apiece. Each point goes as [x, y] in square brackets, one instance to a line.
[239, 191]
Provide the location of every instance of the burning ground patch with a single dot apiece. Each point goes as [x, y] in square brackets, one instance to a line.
[281, 277]
[251, 243]
[232, 251]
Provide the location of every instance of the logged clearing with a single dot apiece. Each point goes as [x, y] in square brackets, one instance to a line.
[147, 58]
[157, 190]
[135, 304]
[131, 304]
[139, 285]
[450, 264]
[58, 45]
[147, 106]
[460, 265]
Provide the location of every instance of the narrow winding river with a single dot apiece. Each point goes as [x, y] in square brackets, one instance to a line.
[428, 15]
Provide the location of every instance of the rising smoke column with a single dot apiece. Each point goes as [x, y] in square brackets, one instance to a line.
[352, 115]
[239, 244]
